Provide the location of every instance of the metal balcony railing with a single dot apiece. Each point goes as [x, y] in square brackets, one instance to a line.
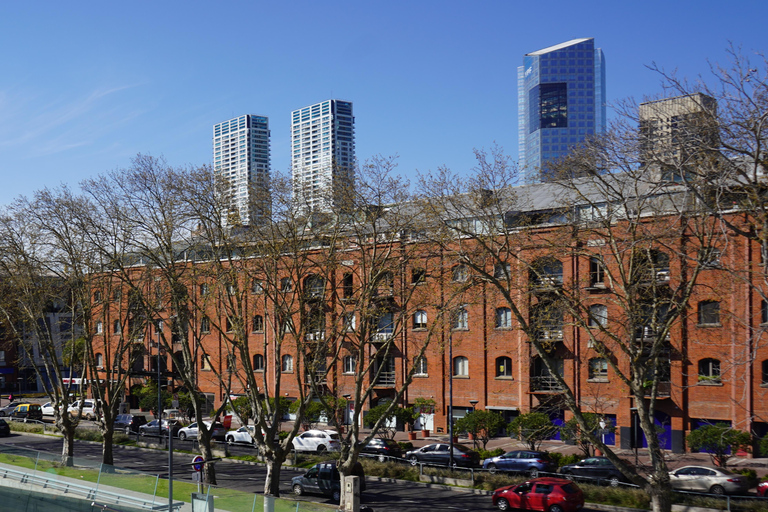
[545, 383]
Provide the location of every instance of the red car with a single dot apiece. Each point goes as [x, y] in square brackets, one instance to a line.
[762, 489]
[545, 494]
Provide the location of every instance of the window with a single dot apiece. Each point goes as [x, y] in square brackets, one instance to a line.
[764, 381]
[385, 325]
[459, 274]
[258, 323]
[460, 319]
[205, 325]
[709, 313]
[205, 363]
[596, 273]
[230, 325]
[418, 276]
[501, 271]
[460, 366]
[709, 371]
[350, 364]
[286, 285]
[257, 286]
[598, 369]
[231, 289]
[2, 357]
[503, 318]
[97, 297]
[204, 289]
[258, 363]
[546, 273]
[117, 295]
[348, 285]
[709, 257]
[503, 367]
[314, 286]
[763, 312]
[420, 319]
[116, 327]
[286, 364]
[598, 315]
[99, 327]
[420, 366]
[100, 360]
[158, 327]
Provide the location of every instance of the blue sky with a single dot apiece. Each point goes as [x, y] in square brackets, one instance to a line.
[85, 86]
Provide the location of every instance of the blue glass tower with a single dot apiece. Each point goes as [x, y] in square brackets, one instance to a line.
[561, 101]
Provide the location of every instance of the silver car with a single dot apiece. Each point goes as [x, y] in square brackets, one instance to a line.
[704, 479]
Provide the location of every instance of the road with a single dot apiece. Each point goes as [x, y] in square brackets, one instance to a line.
[381, 496]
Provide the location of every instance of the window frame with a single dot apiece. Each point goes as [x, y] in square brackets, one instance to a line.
[707, 318]
[504, 367]
[460, 320]
[420, 320]
[258, 358]
[257, 324]
[503, 318]
[597, 369]
[420, 366]
[460, 367]
[594, 320]
[710, 371]
[349, 365]
[286, 363]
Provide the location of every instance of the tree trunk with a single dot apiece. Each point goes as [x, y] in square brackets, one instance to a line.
[209, 470]
[107, 456]
[272, 480]
[68, 447]
[661, 498]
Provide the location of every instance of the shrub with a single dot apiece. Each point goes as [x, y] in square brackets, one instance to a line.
[751, 475]
[487, 454]
[561, 460]
[406, 446]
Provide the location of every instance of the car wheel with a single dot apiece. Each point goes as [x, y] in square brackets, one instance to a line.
[492, 469]
[298, 490]
[337, 496]
[414, 460]
[614, 481]
[555, 508]
[142, 433]
[534, 472]
[382, 458]
[568, 475]
[717, 489]
[182, 435]
[502, 504]
[127, 431]
[230, 440]
[321, 448]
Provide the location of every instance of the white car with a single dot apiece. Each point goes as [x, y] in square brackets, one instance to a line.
[317, 441]
[190, 432]
[89, 409]
[241, 435]
[48, 409]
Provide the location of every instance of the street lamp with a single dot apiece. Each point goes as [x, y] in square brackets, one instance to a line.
[450, 396]
[473, 403]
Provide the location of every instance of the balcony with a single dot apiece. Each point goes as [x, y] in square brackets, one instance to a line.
[381, 337]
[315, 336]
[663, 390]
[545, 384]
[386, 379]
[550, 335]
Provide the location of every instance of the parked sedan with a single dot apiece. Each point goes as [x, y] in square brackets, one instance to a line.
[598, 468]
[153, 428]
[190, 432]
[521, 461]
[241, 435]
[48, 409]
[704, 479]
[5, 429]
[317, 441]
[8, 409]
[542, 494]
[439, 453]
[382, 449]
[129, 423]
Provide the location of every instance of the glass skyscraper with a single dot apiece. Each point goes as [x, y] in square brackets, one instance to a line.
[241, 162]
[322, 152]
[561, 101]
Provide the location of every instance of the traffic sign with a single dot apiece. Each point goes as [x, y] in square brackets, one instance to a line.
[197, 463]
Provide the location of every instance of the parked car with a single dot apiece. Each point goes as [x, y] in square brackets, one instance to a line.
[522, 461]
[382, 449]
[317, 441]
[27, 412]
[88, 412]
[599, 468]
[8, 409]
[762, 488]
[241, 435]
[544, 494]
[324, 478]
[129, 423]
[5, 429]
[153, 428]
[48, 409]
[190, 432]
[704, 479]
[439, 453]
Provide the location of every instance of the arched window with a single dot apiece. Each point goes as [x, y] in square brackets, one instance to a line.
[503, 367]
[100, 360]
[257, 286]
[420, 319]
[460, 366]
[709, 371]
[503, 318]
[420, 365]
[350, 364]
[460, 319]
[258, 363]
[709, 312]
[258, 323]
[314, 286]
[598, 369]
[286, 364]
[598, 315]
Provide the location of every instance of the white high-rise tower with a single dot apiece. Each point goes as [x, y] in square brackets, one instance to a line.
[322, 153]
[241, 160]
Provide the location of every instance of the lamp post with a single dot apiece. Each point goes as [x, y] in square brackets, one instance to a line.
[158, 328]
[450, 397]
[473, 403]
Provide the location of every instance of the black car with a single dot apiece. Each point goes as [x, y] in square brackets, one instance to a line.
[129, 423]
[153, 428]
[382, 449]
[5, 429]
[324, 479]
[26, 412]
[439, 453]
[597, 468]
